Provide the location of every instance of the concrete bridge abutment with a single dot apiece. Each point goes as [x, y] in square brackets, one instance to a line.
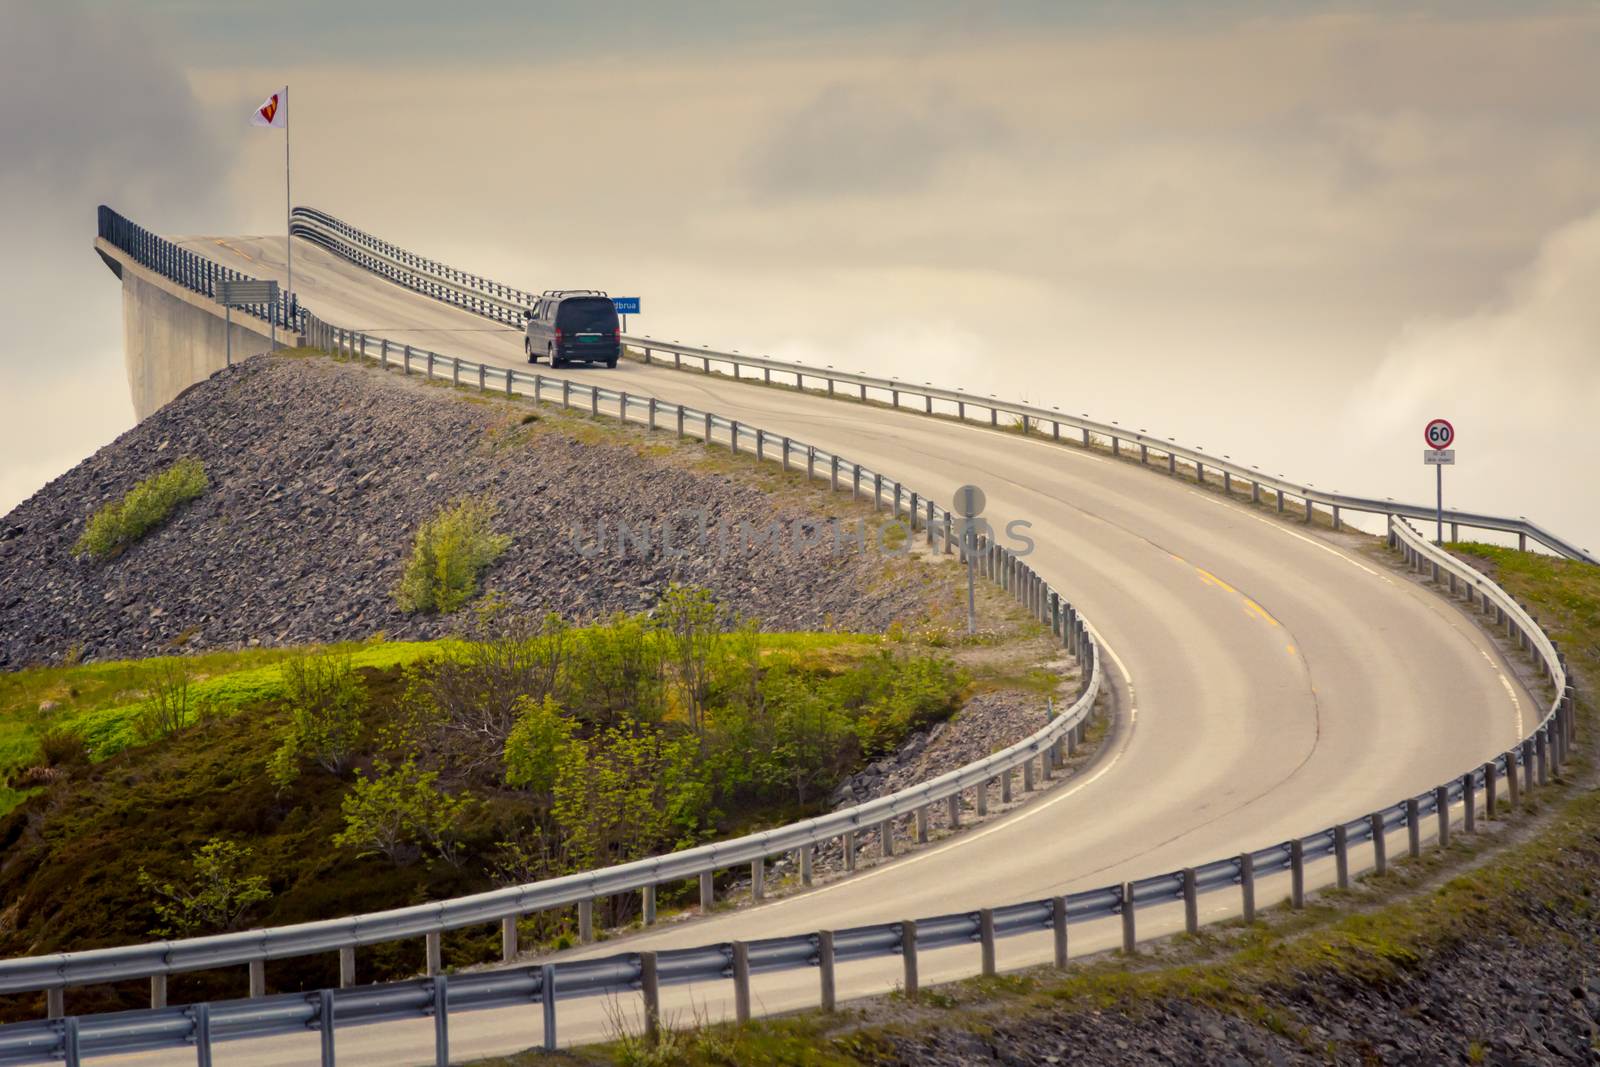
[173, 337]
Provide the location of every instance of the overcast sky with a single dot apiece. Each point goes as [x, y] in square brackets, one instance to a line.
[1289, 237]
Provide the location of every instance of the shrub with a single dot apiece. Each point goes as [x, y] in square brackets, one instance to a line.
[691, 622]
[147, 505]
[619, 795]
[397, 811]
[537, 744]
[473, 693]
[62, 747]
[214, 897]
[326, 702]
[891, 696]
[165, 707]
[616, 674]
[452, 551]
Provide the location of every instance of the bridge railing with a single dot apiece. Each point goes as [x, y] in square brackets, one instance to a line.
[190, 270]
[504, 304]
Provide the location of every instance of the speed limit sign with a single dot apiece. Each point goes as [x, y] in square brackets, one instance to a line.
[1440, 435]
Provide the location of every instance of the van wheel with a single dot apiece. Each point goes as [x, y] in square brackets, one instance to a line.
[612, 362]
[555, 360]
[527, 346]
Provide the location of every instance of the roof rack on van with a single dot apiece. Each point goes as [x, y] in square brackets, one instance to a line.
[574, 292]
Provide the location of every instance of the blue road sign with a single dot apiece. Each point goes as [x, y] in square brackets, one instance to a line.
[626, 305]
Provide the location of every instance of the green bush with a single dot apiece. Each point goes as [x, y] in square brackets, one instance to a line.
[147, 505]
[326, 702]
[536, 747]
[452, 551]
[61, 748]
[889, 696]
[215, 895]
[399, 810]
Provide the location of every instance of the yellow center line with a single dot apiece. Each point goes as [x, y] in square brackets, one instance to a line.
[235, 251]
[1250, 606]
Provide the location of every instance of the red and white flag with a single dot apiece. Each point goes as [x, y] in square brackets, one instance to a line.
[274, 112]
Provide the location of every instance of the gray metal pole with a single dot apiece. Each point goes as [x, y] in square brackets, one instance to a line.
[908, 957]
[986, 940]
[288, 212]
[202, 1035]
[1439, 503]
[227, 330]
[650, 986]
[972, 563]
[547, 1001]
[741, 981]
[325, 1024]
[825, 967]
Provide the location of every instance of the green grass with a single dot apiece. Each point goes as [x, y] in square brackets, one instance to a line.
[131, 801]
[1564, 596]
[147, 505]
[100, 701]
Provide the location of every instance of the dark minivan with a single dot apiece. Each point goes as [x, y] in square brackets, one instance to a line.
[573, 326]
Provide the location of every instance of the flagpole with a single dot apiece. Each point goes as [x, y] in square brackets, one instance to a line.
[288, 212]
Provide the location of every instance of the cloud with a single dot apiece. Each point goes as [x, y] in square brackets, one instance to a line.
[1520, 380]
[93, 109]
[856, 139]
[92, 103]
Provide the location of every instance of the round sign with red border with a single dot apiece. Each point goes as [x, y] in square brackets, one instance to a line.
[1439, 433]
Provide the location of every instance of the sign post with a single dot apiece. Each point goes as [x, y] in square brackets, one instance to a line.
[968, 503]
[626, 305]
[239, 292]
[1440, 435]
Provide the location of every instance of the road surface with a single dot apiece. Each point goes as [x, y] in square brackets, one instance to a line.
[1270, 678]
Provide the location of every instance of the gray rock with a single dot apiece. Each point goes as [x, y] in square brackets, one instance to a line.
[320, 474]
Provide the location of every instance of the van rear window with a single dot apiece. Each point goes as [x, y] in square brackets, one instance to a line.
[579, 316]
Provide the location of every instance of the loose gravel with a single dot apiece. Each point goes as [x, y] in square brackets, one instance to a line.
[321, 473]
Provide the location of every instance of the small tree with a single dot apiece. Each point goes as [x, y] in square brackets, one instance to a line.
[689, 618]
[398, 811]
[215, 895]
[165, 707]
[536, 747]
[616, 674]
[620, 796]
[474, 691]
[326, 700]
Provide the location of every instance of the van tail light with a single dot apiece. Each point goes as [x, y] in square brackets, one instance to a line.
[558, 335]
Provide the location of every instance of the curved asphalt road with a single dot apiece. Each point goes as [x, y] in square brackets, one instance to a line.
[1271, 678]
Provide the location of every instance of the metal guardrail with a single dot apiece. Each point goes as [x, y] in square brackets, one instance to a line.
[470, 292]
[919, 515]
[1521, 768]
[192, 271]
[504, 304]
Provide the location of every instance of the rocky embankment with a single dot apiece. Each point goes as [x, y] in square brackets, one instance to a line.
[320, 474]
[1500, 1001]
